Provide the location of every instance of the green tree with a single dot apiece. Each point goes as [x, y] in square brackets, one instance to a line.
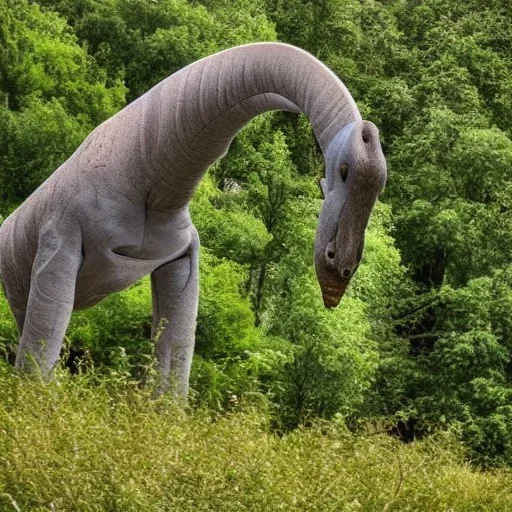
[54, 94]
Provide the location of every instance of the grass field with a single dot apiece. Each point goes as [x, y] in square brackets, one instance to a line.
[101, 444]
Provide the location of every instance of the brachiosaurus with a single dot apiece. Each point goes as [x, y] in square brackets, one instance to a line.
[116, 210]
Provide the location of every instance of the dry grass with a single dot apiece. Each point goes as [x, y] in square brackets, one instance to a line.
[88, 444]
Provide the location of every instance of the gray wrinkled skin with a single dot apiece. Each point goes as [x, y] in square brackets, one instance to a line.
[116, 210]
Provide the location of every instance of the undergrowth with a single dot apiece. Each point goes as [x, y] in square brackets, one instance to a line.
[98, 443]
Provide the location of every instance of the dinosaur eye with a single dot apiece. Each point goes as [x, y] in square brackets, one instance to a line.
[344, 171]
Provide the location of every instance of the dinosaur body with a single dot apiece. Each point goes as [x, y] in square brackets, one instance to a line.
[116, 210]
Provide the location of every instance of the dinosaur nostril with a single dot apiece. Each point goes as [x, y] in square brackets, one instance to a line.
[330, 253]
[347, 272]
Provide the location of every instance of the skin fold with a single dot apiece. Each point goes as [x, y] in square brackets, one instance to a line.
[117, 209]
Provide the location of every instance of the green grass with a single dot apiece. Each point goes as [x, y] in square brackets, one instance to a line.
[94, 444]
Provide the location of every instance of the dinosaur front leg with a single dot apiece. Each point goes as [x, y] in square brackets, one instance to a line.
[50, 300]
[175, 289]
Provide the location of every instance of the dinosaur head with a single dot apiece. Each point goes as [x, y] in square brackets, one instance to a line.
[355, 175]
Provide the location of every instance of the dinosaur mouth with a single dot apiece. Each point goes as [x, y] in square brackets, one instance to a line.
[332, 293]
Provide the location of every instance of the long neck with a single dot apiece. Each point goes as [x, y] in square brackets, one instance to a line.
[192, 116]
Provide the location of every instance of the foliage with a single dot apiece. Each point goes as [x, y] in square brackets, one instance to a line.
[146, 41]
[52, 95]
[91, 443]
[422, 339]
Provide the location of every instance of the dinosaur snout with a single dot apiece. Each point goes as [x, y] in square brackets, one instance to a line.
[335, 272]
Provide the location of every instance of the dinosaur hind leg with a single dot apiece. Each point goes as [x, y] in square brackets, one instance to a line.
[175, 300]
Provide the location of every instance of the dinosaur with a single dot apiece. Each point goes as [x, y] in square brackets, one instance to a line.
[116, 210]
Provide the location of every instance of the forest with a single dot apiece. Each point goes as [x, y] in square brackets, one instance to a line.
[412, 371]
